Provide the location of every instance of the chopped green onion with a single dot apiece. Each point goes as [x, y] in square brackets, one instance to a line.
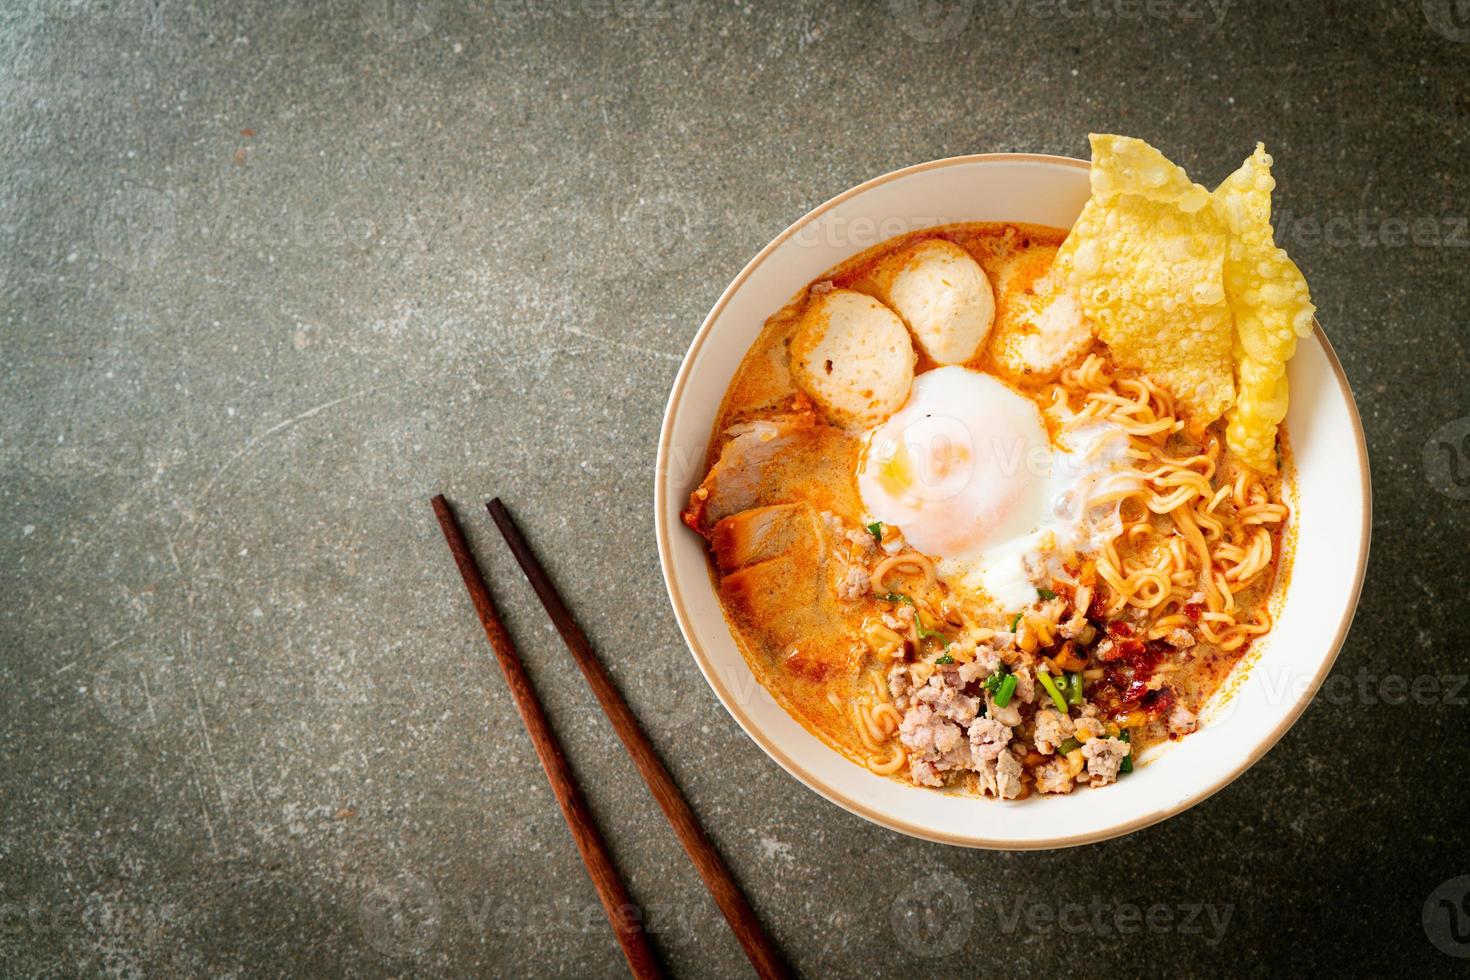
[876, 530]
[1127, 764]
[1046, 593]
[946, 659]
[1074, 688]
[1051, 688]
[1006, 691]
[925, 634]
[995, 680]
[1069, 746]
[1015, 622]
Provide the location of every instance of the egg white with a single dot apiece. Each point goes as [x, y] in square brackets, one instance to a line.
[966, 471]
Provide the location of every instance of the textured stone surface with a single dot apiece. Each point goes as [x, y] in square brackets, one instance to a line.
[274, 272]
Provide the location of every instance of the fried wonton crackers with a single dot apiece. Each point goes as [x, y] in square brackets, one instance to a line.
[1271, 307]
[1190, 287]
[1146, 259]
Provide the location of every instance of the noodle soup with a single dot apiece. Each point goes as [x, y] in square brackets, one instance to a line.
[960, 542]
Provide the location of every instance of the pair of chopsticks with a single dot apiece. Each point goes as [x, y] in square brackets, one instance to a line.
[622, 914]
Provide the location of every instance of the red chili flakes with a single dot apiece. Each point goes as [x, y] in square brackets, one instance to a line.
[1145, 661]
[1156, 703]
[1131, 662]
[1136, 690]
[1193, 611]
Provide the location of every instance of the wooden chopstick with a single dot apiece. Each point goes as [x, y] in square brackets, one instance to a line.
[621, 912]
[763, 954]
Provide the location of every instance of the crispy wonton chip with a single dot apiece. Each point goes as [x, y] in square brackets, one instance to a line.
[1271, 306]
[1146, 260]
[1124, 165]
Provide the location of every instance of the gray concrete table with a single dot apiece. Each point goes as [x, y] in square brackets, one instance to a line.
[275, 272]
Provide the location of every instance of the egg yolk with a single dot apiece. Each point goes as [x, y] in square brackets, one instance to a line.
[957, 467]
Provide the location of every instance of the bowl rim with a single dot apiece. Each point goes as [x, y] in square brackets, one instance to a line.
[809, 779]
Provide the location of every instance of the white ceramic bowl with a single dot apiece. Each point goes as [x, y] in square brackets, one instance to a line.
[1257, 706]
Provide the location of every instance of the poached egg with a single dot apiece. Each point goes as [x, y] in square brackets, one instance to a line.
[966, 471]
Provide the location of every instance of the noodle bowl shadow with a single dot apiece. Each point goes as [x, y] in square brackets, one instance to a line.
[1331, 516]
